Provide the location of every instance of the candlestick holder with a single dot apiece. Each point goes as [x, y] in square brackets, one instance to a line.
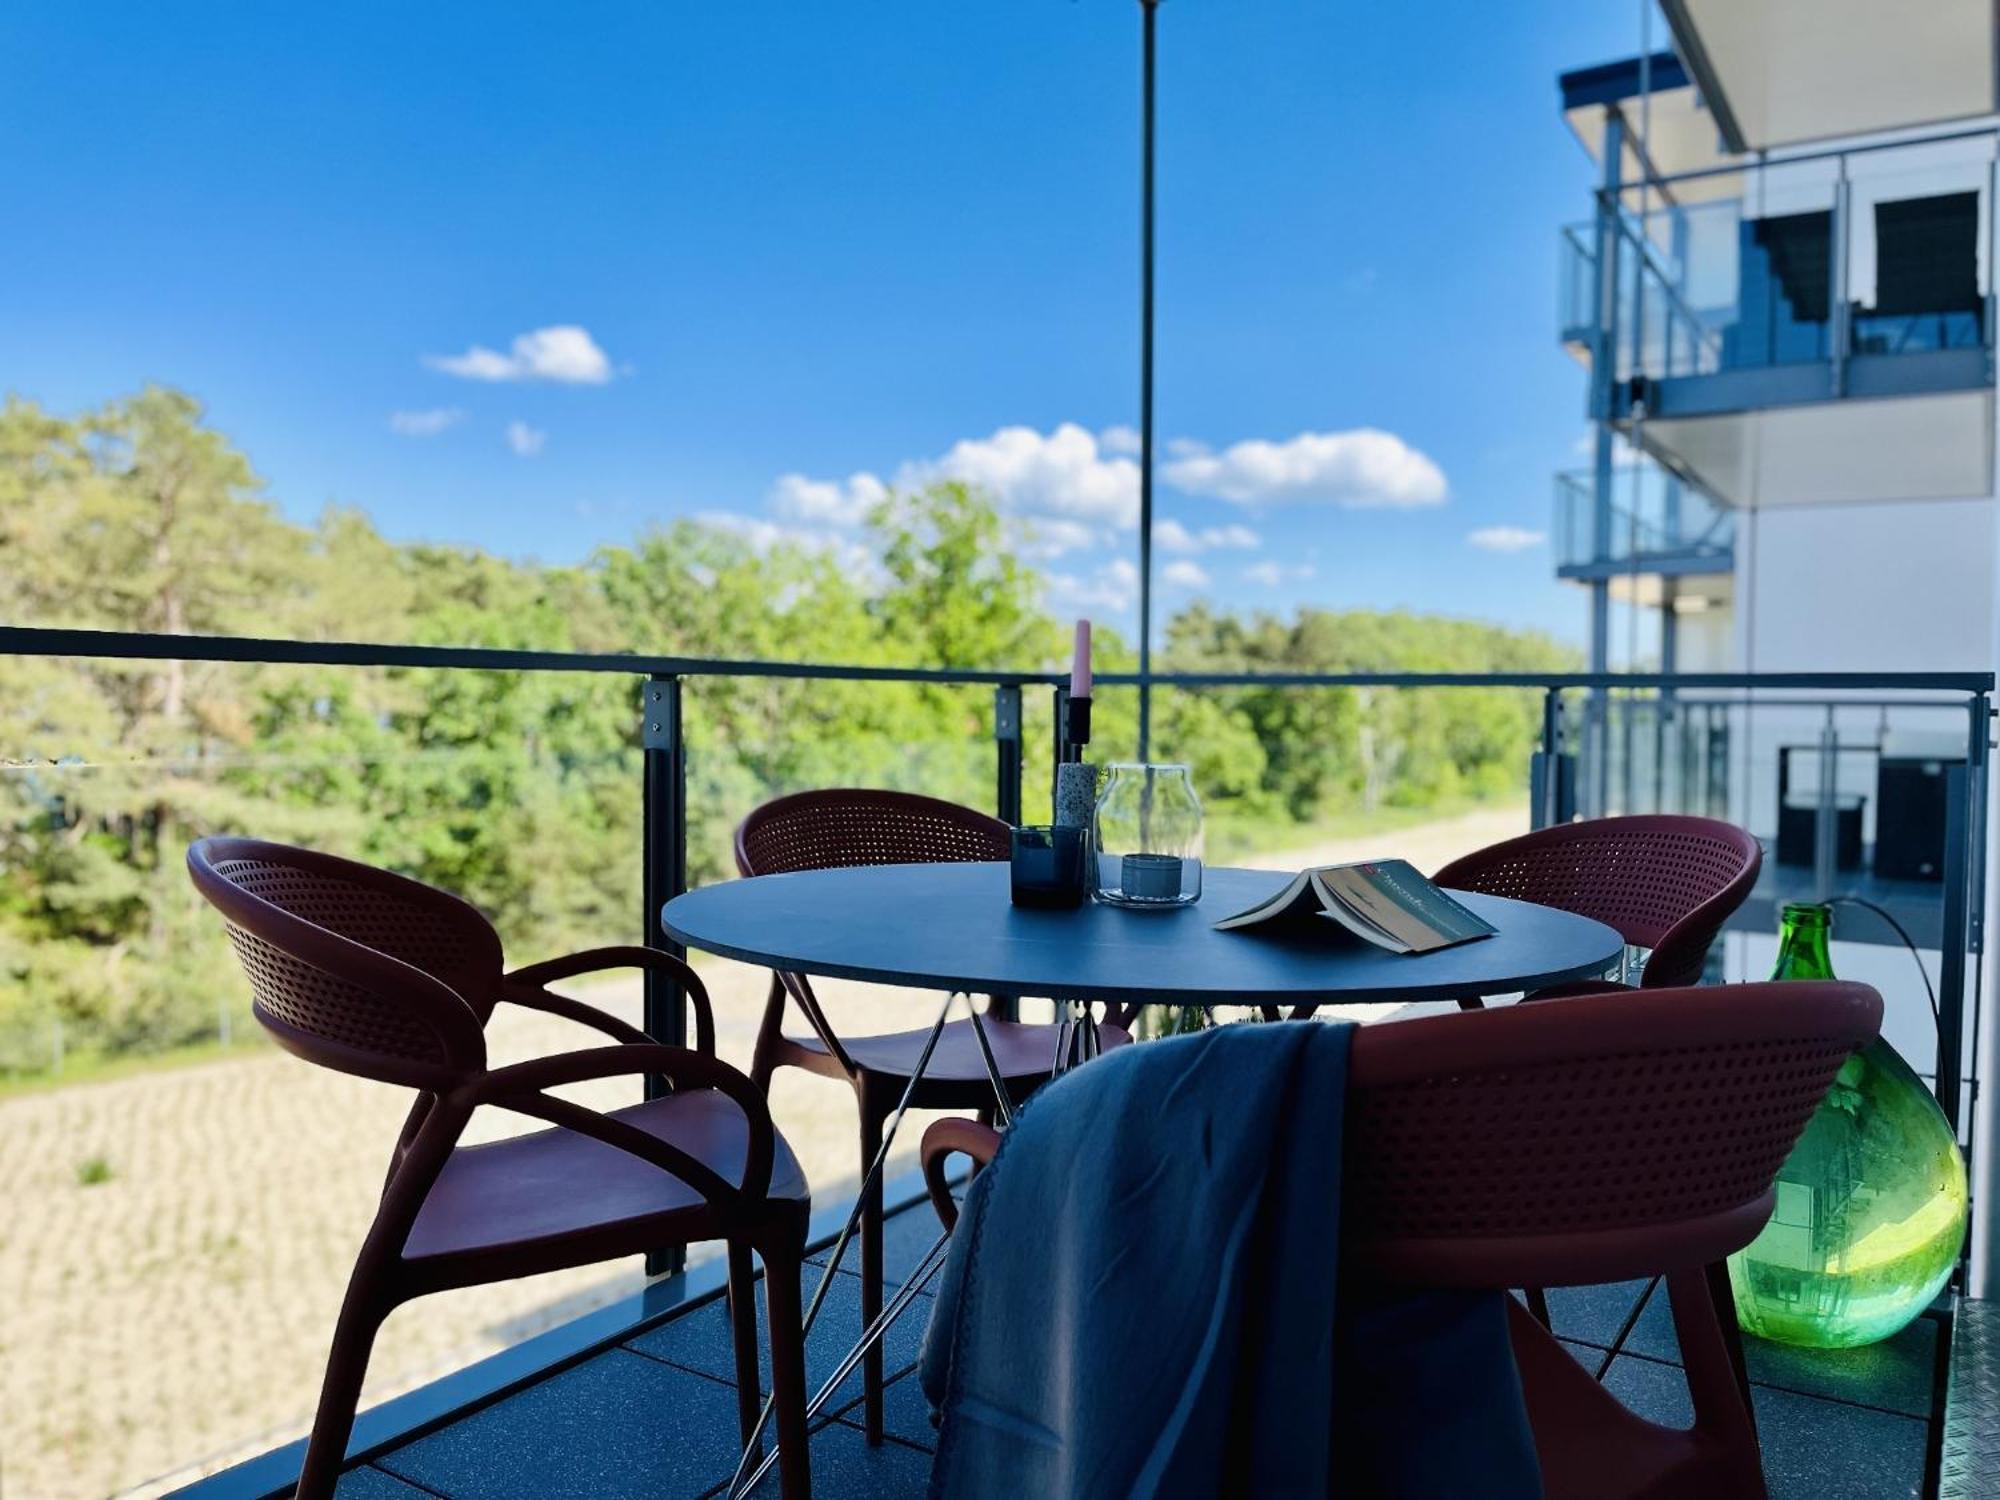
[1077, 727]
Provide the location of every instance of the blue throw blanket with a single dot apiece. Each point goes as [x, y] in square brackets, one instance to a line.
[1140, 1301]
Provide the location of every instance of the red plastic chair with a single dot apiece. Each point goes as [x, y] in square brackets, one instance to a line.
[1666, 883]
[1572, 1143]
[841, 828]
[372, 974]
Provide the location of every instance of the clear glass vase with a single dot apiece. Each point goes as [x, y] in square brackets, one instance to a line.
[1149, 838]
[1872, 1203]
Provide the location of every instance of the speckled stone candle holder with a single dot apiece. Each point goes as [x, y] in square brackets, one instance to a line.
[1077, 784]
[1076, 794]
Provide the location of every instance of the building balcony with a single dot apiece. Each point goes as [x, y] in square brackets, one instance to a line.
[1816, 328]
[1658, 526]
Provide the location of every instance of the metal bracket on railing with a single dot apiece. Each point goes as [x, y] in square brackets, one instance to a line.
[659, 714]
[1007, 713]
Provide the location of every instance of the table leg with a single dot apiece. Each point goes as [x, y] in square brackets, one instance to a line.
[1003, 1103]
[868, 1181]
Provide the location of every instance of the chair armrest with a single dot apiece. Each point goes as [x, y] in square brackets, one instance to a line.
[521, 1088]
[941, 1140]
[527, 987]
[516, 993]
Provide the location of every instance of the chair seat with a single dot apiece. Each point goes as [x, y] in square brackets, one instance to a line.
[1024, 1050]
[553, 1186]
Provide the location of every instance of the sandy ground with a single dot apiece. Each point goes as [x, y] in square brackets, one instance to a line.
[173, 1318]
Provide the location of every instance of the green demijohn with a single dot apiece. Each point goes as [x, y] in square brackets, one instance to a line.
[1871, 1203]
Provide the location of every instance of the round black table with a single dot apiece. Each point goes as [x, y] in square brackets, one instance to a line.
[951, 927]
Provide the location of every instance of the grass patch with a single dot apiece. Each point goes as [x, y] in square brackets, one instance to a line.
[93, 1170]
[87, 1067]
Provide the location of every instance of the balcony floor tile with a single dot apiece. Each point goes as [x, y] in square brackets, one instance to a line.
[700, 1340]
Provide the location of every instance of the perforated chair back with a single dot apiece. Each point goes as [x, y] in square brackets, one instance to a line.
[841, 827]
[1585, 1140]
[1666, 883]
[353, 967]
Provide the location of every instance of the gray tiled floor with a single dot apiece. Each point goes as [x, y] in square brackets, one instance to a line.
[657, 1417]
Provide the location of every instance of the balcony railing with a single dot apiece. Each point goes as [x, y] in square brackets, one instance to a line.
[1657, 524]
[1815, 258]
[1575, 743]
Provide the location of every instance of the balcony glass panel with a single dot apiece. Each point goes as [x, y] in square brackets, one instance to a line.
[1917, 235]
[1657, 520]
[1883, 251]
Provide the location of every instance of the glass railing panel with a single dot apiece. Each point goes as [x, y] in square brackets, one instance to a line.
[1918, 247]
[1765, 267]
[1872, 774]
[1576, 278]
[1655, 518]
[182, 1194]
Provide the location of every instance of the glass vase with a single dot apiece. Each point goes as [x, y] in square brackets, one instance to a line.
[1872, 1204]
[1149, 838]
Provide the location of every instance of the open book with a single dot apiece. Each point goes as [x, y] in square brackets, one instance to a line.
[1383, 900]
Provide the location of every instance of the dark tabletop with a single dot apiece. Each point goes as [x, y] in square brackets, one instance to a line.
[952, 927]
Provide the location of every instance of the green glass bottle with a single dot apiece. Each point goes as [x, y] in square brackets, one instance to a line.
[1872, 1201]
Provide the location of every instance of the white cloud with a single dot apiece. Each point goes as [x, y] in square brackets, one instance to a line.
[1185, 575]
[564, 353]
[1505, 538]
[526, 441]
[1064, 473]
[422, 424]
[1112, 588]
[1043, 537]
[1276, 574]
[1365, 467]
[764, 536]
[1172, 536]
[825, 500]
[1119, 440]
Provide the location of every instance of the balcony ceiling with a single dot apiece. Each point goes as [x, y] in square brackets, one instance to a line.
[1680, 136]
[1930, 447]
[1783, 72]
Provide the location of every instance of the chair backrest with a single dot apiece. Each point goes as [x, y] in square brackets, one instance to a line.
[353, 967]
[1588, 1139]
[839, 827]
[1664, 882]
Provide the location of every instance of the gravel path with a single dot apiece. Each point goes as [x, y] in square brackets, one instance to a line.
[172, 1318]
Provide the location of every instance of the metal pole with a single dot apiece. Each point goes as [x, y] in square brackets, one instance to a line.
[1148, 10]
[1006, 795]
[663, 817]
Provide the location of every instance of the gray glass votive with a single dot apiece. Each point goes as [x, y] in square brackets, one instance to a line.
[1047, 866]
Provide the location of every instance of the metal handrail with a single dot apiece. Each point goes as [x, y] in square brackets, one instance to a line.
[116, 645]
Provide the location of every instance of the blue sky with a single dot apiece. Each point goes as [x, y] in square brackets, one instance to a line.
[751, 251]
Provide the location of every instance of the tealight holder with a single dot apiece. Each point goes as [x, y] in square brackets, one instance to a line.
[1148, 838]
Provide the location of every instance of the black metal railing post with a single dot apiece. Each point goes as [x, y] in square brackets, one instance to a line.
[1964, 870]
[1007, 752]
[663, 818]
[1545, 771]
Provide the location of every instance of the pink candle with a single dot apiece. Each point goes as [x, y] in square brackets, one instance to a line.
[1079, 671]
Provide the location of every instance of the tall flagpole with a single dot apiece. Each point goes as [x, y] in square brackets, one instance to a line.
[1149, 10]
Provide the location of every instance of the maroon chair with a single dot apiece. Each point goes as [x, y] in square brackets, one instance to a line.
[372, 974]
[1572, 1143]
[1666, 883]
[841, 828]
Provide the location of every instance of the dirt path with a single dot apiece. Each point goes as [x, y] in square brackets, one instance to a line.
[173, 1318]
